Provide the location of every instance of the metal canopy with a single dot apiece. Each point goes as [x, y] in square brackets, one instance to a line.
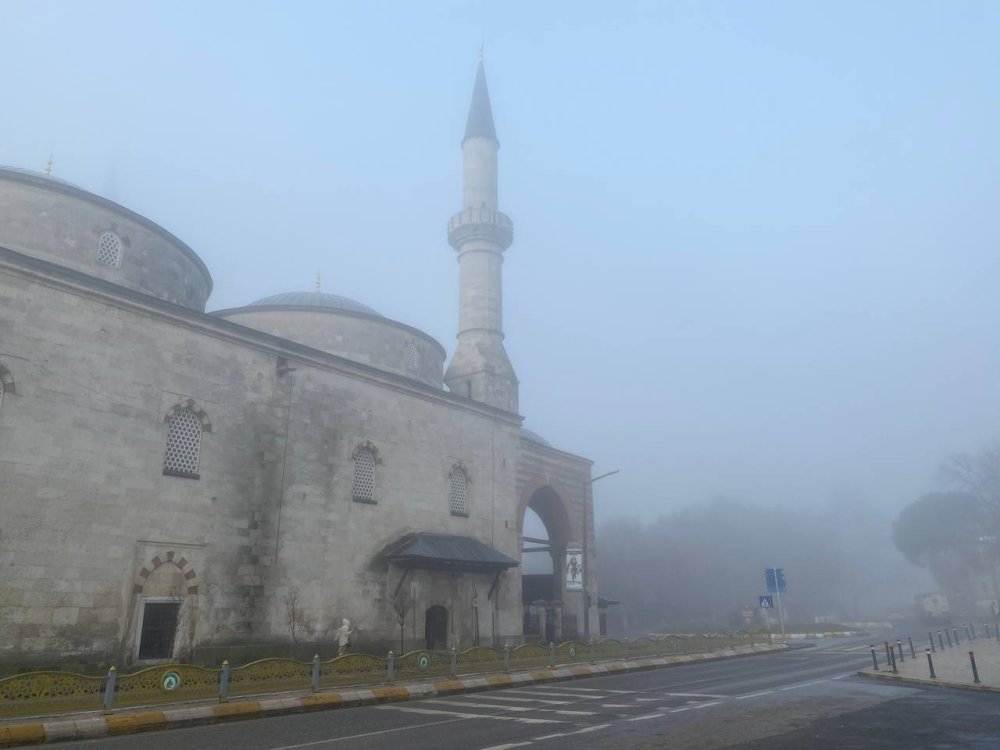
[446, 552]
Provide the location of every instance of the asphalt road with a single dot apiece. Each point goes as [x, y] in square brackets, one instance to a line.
[805, 698]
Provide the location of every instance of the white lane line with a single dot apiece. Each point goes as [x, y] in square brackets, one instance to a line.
[842, 676]
[492, 697]
[657, 715]
[803, 684]
[508, 746]
[457, 714]
[706, 705]
[678, 710]
[366, 734]
[469, 704]
[695, 695]
[589, 690]
[560, 695]
[616, 705]
[593, 728]
[753, 695]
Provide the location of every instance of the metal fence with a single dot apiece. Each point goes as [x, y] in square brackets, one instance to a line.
[36, 693]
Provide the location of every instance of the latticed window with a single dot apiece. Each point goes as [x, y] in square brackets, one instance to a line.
[183, 445]
[458, 492]
[109, 249]
[412, 356]
[364, 475]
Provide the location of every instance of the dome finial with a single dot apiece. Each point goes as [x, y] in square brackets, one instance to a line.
[48, 166]
[317, 282]
[482, 44]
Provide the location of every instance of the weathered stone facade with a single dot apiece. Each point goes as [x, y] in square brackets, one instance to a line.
[103, 345]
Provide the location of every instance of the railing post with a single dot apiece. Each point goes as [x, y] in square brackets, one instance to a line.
[315, 672]
[552, 654]
[899, 644]
[874, 658]
[955, 633]
[913, 653]
[888, 653]
[506, 657]
[940, 641]
[109, 689]
[892, 660]
[391, 666]
[948, 636]
[930, 637]
[975, 672]
[930, 664]
[224, 681]
[972, 627]
[454, 661]
[967, 636]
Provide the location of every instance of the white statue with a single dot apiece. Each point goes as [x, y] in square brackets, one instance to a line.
[343, 634]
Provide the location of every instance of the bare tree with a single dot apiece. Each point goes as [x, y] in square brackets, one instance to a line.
[293, 613]
[401, 603]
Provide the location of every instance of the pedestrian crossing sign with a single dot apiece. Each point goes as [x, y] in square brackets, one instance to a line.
[766, 602]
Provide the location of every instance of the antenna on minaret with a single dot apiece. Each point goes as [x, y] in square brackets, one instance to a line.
[317, 282]
[48, 166]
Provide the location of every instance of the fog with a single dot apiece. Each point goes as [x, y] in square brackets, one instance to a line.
[755, 251]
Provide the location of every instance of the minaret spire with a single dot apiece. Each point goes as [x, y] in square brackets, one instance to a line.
[480, 368]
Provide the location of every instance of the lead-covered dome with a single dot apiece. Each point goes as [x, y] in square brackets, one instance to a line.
[314, 299]
[342, 326]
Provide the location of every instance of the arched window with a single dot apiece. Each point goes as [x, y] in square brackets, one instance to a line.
[458, 492]
[412, 356]
[364, 475]
[183, 444]
[6, 383]
[109, 250]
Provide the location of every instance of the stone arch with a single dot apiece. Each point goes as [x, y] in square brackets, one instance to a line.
[369, 446]
[170, 557]
[190, 405]
[546, 496]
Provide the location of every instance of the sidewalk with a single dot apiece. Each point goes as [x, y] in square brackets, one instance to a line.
[93, 724]
[952, 665]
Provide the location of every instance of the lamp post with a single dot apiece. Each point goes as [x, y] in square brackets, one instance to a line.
[586, 556]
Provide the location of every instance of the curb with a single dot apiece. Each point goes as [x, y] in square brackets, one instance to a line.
[889, 677]
[65, 729]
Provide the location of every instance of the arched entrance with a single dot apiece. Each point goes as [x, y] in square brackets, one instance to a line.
[436, 628]
[544, 534]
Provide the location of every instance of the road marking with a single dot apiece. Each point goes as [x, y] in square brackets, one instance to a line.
[842, 676]
[367, 734]
[491, 697]
[695, 695]
[646, 716]
[467, 704]
[706, 705]
[678, 710]
[495, 717]
[803, 684]
[508, 746]
[562, 695]
[593, 728]
[616, 705]
[753, 695]
[591, 690]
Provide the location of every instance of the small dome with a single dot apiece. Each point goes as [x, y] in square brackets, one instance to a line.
[535, 438]
[314, 299]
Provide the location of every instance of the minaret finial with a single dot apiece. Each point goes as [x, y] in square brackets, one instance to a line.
[483, 44]
[317, 282]
[48, 166]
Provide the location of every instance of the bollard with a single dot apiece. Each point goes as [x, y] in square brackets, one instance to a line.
[315, 672]
[454, 662]
[874, 658]
[930, 664]
[888, 657]
[975, 672]
[940, 641]
[391, 666]
[948, 636]
[892, 659]
[972, 627]
[506, 657]
[552, 654]
[955, 633]
[913, 654]
[224, 681]
[930, 637]
[899, 645]
[109, 689]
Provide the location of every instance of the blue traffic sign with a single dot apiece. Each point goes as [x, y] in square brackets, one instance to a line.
[766, 602]
[774, 578]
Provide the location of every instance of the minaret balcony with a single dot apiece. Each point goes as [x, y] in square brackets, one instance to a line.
[480, 223]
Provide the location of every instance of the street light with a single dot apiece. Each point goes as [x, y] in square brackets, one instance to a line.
[586, 557]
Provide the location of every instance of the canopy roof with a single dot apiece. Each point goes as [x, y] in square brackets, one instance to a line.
[446, 552]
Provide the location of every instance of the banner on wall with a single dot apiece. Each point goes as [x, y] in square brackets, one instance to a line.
[574, 569]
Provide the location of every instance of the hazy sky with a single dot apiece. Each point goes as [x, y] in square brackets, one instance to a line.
[756, 244]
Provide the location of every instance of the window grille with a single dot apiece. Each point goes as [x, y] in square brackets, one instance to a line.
[364, 476]
[412, 355]
[183, 445]
[109, 250]
[159, 627]
[458, 492]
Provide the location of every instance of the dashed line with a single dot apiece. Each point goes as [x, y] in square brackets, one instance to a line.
[522, 700]
[458, 714]
[594, 728]
[753, 695]
[508, 746]
[695, 695]
[706, 705]
[367, 734]
[657, 715]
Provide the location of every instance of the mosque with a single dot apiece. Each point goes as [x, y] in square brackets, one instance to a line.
[174, 480]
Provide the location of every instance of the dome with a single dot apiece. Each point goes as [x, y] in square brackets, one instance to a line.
[534, 438]
[314, 299]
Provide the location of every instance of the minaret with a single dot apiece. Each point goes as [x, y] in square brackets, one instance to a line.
[480, 369]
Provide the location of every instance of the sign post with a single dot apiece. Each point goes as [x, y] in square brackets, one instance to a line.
[775, 580]
[766, 602]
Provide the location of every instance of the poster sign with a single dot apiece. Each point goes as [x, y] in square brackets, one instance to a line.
[574, 569]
